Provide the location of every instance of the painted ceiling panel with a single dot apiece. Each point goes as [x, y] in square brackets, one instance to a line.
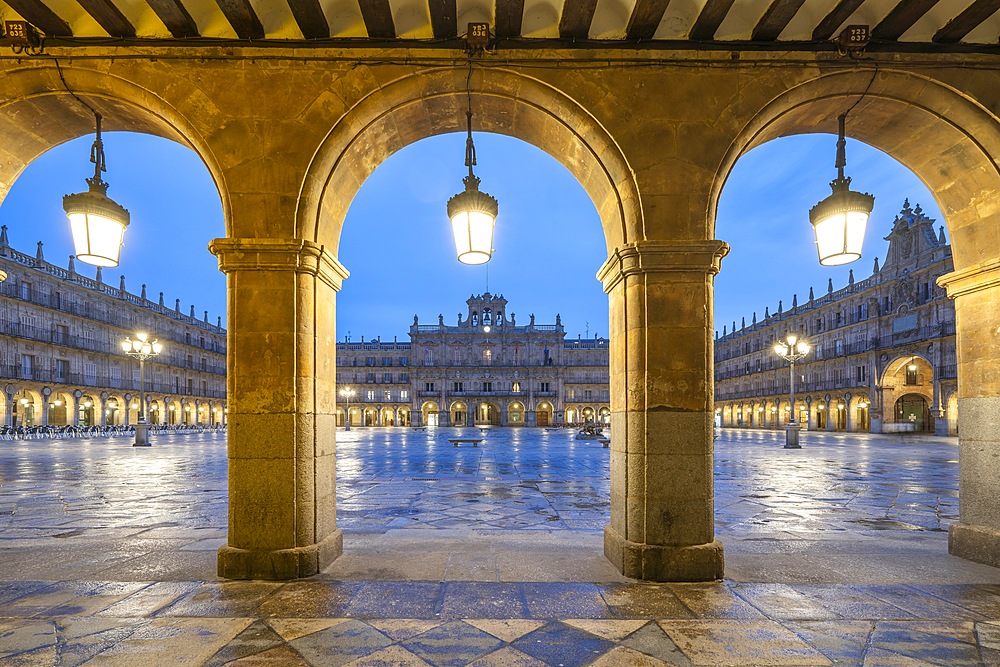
[142, 16]
[474, 11]
[931, 22]
[209, 18]
[611, 19]
[541, 18]
[740, 20]
[412, 19]
[987, 32]
[344, 17]
[82, 23]
[277, 19]
[801, 27]
[678, 19]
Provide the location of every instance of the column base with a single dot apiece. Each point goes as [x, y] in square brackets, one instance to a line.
[976, 543]
[294, 563]
[653, 562]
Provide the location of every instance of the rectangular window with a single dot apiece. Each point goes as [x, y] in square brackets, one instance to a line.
[402, 361]
[456, 386]
[61, 334]
[27, 366]
[404, 394]
[543, 386]
[587, 394]
[404, 377]
[387, 361]
[369, 361]
[190, 386]
[116, 376]
[204, 387]
[387, 378]
[25, 290]
[204, 364]
[371, 394]
[911, 374]
[62, 370]
[370, 378]
[838, 347]
[487, 386]
[570, 393]
[428, 386]
[386, 396]
[516, 388]
[861, 373]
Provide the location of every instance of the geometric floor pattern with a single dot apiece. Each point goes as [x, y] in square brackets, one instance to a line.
[263, 623]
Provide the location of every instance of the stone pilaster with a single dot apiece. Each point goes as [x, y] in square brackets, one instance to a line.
[282, 412]
[662, 497]
[976, 291]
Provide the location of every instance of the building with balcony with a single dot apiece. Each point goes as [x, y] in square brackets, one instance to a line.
[883, 349]
[485, 369]
[61, 361]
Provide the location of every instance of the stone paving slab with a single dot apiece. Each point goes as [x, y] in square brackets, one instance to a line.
[491, 557]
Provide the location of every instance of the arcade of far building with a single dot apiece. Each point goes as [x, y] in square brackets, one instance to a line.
[61, 361]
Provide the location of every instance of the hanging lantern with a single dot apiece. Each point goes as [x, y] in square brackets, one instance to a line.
[839, 221]
[472, 213]
[96, 221]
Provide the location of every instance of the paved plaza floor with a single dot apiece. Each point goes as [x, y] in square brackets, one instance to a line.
[836, 554]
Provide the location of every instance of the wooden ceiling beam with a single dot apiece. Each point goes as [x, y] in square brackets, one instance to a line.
[243, 18]
[901, 18]
[510, 13]
[175, 16]
[444, 18]
[109, 17]
[645, 19]
[576, 19]
[711, 17]
[40, 16]
[310, 17]
[967, 21]
[378, 18]
[774, 20]
[828, 27]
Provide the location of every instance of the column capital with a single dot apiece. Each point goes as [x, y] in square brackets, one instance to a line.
[985, 275]
[662, 257]
[268, 254]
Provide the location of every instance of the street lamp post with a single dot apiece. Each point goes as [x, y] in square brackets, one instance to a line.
[791, 350]
[141, 348]
[347, 392]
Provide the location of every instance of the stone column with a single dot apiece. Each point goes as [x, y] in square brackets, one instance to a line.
[282, 407]
[662, 497]
[831, 421]
[976, 291]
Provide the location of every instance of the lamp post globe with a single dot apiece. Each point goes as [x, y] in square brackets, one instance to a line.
[347, 392]
[791, 349]
[141, 348]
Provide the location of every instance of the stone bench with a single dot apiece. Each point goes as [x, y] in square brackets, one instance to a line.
[457, 441]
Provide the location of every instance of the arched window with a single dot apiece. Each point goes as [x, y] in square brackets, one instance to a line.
[500, 319]
[487, 317]
[475, 319]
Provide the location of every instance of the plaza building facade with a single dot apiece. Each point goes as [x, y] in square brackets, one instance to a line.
[61, 362]
[484, 370]
[883, 356]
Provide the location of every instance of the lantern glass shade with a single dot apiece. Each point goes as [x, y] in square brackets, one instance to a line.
[473, 231]
[839, 222]
[97, 224]
[126, 345]
[157, 348]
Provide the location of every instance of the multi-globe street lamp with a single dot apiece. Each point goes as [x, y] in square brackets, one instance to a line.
[347, 392]
[142, 349]
[791, 350]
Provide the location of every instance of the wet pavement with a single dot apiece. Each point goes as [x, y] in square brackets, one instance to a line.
[836, 554]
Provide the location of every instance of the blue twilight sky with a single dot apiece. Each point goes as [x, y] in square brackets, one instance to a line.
[397, 242]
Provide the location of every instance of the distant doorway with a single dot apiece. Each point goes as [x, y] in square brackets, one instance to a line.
[912, 408]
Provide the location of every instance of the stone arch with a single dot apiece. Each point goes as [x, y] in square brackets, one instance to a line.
[424, 104]
[923, 123]
[125, 106]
